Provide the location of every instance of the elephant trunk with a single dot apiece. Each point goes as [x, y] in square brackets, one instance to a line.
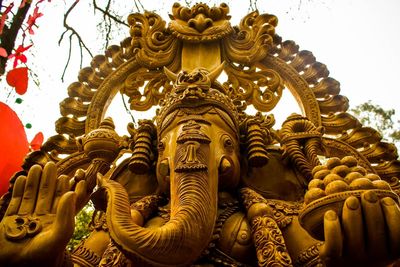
[194, 185]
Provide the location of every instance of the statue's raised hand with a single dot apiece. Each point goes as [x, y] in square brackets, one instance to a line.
[367, 233]
[39, 220]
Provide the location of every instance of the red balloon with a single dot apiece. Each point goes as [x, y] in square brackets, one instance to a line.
[13, 145]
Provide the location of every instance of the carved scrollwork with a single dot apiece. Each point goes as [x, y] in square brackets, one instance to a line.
[147, 205]
[200, 23]
[310, 257]
[335, 123]
[269, 242]
[262, 89]
[113, 257]
[388, 169]
[152, 44]
[268, 218]
[282, 212]
[75, 109]
[251, 39]
[145, 88]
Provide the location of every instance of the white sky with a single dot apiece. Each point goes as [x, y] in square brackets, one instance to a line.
[357, 40]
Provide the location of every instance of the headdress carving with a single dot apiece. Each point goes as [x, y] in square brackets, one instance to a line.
[195, 89]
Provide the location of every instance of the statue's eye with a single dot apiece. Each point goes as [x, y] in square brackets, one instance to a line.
[227, 142]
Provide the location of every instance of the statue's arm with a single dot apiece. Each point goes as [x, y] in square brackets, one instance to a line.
[89, 251]
[366, 233]
[39, 220]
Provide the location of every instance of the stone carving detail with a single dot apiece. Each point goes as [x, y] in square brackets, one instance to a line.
[147, 205]
[309, 257]
[252, 39]
[204, 182]
[85, 257]
[152, 44]
[23, 227]
[281, 212]
[189, 156]
[331, 108]
[257, 130]
[113, 257]
[301, 142]
[262, 89]
[155, 86]
[270, 244]
[200, 23]
[143, 147]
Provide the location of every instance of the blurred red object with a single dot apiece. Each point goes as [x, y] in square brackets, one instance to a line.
[18, 78]
[13, 145]
[37, 141]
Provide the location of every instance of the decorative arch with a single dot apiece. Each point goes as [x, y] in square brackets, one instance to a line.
[259, 66]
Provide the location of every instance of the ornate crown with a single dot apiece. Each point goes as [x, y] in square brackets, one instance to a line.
[198, 92]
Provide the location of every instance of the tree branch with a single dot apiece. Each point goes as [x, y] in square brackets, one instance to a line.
[106, 13]
[73, 32]
[10, 34]
[109, 17]
[136, 4]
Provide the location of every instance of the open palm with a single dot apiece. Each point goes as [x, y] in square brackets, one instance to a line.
[39, 220]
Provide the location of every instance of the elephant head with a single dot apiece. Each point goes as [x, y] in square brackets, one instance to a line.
[197, 131]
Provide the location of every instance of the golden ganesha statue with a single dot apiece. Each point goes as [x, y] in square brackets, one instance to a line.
[205, 183]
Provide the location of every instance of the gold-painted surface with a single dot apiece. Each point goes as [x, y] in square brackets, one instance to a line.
[207, 55]
[204, 183]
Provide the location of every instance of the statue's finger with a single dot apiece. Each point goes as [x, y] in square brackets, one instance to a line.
[81, 193]
[46, 189]
[63, 226]
[375, 225]
[332, 248]
[31, 188]
[61, 189]
[18, 192]
[392, 216]
[352, 222]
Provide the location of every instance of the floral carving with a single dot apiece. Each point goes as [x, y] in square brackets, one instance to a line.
[145, 88]
[151, 43]
[262, 89]
[252, 39]
[269, 242]
[200, 23]
[281, 212]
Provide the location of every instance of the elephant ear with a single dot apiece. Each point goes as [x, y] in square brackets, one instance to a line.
[281, 177]
[136, 185]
